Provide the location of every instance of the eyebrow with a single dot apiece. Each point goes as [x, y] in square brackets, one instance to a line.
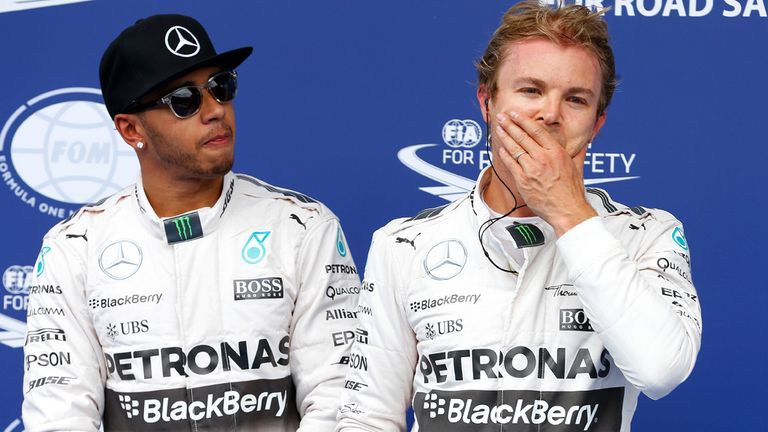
[539, 83]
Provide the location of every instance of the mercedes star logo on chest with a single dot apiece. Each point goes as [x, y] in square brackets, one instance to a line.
[121, 259]
[445, 259]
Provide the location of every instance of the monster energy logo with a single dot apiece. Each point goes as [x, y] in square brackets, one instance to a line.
[183, 228]
[526, 235]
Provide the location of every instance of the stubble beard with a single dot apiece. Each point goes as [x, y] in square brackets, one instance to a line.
[173, 158]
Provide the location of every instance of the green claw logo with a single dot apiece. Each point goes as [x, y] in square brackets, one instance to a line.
[527, 233]
[183, 227]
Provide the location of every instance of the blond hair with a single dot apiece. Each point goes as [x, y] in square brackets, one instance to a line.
[565, 25]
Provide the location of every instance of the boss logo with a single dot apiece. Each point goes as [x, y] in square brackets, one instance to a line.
[574, 320]
[254, 289]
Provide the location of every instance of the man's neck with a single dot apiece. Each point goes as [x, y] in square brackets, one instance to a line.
[498, 198]
[171, 198]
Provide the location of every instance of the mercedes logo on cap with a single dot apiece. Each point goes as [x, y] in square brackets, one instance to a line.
[181, 42]
[445, 260]
[121, 259]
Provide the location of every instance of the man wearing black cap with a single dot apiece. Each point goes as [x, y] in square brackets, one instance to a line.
[196, 298]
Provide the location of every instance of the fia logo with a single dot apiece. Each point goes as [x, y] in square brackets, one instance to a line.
[455, 167]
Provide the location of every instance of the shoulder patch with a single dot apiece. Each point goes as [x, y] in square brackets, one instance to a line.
[428, 213]
[287, 192]
[606, 200]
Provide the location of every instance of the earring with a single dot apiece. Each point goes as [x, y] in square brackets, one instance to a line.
[139, 145]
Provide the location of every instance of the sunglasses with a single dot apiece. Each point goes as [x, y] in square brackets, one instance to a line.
[185, 101]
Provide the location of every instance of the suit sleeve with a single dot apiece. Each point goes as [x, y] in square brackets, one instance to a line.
[64, 367]
[380, 377]
[323, 322]
[644, 307]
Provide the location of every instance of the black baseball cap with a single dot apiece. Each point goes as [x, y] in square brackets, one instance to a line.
[154, 51]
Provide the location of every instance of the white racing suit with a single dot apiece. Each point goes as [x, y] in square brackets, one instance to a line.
[233, 317]
[588, 322]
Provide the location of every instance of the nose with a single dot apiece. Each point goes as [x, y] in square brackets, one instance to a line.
[210, 108]
[549, 111]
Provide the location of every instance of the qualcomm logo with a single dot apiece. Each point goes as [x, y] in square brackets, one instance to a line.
[15, 5]
[462, 137]
[60, 150]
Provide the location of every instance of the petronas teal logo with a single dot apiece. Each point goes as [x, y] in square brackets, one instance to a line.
[679, 238]
[254, 249]
[40, 267]
[341, 245]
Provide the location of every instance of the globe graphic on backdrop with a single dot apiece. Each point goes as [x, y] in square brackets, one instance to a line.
[16, 279]
[461, 133]
[69, 151]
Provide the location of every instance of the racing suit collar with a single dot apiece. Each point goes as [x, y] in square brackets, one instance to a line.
[503, 247]
[190, 225]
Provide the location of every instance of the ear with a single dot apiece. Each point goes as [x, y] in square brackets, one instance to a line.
[130, 128]
[598, 125]
[484, 99]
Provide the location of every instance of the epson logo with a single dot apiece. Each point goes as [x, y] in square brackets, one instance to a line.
[343, 337]
[519, 411]
[574, 320]
[669, 292]
[356, 361]
[200, 360]
[232, 402]
[45, 334]
[254, 289]
[517, 362]
[47, 359]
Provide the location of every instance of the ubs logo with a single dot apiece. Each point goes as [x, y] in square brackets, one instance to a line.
[432, 330]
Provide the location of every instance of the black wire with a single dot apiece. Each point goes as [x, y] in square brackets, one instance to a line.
[487, 224]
